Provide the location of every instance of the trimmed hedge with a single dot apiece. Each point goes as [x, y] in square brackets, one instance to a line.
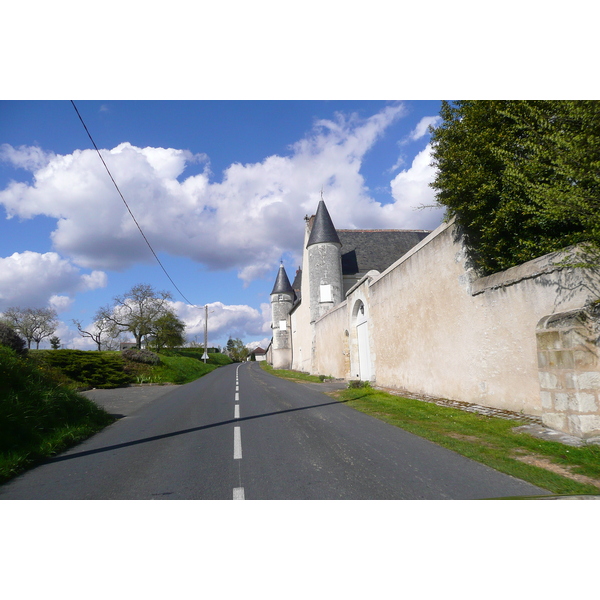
[89, 369]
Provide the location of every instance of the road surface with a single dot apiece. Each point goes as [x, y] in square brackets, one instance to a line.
[241, 433]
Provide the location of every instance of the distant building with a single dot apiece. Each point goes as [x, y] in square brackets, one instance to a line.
[259, 354]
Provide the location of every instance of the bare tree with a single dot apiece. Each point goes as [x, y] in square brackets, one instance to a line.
[34, 324]
[136, 311]
[100, 332]
[46, 322]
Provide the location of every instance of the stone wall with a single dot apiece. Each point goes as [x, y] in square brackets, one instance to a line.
[436, 328]
[569, 371]
[332, 357]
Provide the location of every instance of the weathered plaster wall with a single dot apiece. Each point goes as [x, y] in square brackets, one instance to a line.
[437, 329]
[332, 355]
[302, 338]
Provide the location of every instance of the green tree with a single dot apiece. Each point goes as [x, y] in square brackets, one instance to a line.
[9, 337]
[55, 342]
[136, 311]
[167, 332]
[522, 178]
[236, 350]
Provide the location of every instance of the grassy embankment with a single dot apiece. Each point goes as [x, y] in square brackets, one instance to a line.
[553, 466]
[41, 412]
[80, 370]
[38, 416]
[178, 366]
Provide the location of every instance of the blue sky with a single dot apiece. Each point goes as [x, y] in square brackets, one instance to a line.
[220, 189]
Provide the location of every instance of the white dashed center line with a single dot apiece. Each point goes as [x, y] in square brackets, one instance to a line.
[237, 443]
[238, 492]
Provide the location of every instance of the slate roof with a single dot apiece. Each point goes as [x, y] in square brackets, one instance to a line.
[322, 230]
[282, 283]
[363, 250]
[297, 283]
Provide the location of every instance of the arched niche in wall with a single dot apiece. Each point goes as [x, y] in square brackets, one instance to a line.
[360, 321]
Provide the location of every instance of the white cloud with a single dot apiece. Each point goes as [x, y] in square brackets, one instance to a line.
[410, 189]
[422, 127]
[420, 131]
[60, 303]
[31, 279]
[246, 221]
[224, 321]
[260, 344]
[30, 158]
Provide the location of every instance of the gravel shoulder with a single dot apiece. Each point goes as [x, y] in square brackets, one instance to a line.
[122, 402]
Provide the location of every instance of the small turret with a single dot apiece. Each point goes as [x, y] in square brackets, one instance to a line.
[323, 231]
[282, 300]
[325, 272]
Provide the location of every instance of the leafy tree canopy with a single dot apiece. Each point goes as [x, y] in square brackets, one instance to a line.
[522, 178]
[167, 331]
[237, 350]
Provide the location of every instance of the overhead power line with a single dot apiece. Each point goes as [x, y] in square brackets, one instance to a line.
[125, 202]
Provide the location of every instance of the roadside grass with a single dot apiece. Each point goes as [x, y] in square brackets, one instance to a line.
[291, 375]
[553, 466]
[39, 417]
[180, 369]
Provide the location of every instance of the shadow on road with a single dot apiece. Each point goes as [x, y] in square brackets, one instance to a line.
[183, 432]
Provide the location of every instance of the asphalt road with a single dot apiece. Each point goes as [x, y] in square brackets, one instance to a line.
[240, 433]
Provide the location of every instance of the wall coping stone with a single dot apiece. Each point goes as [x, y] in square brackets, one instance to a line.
[549, 263]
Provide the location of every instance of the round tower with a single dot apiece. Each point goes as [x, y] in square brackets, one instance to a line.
[282, 301]
[325, 264]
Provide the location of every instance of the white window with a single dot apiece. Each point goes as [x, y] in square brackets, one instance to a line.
[282, 325]
[326, 295]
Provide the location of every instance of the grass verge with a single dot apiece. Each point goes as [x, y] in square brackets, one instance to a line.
[39, 417]
[553, 466]
[291, 375]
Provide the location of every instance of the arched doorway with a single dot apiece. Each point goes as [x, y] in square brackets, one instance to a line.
[362, 338]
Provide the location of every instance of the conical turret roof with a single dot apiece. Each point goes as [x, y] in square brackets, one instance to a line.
[323, 230]
[282, 283]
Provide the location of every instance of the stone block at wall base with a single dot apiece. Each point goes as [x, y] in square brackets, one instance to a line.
[584, 426]
[569, 371]
[556, 421]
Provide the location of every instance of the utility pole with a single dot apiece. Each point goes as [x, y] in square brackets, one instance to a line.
[205, 355]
